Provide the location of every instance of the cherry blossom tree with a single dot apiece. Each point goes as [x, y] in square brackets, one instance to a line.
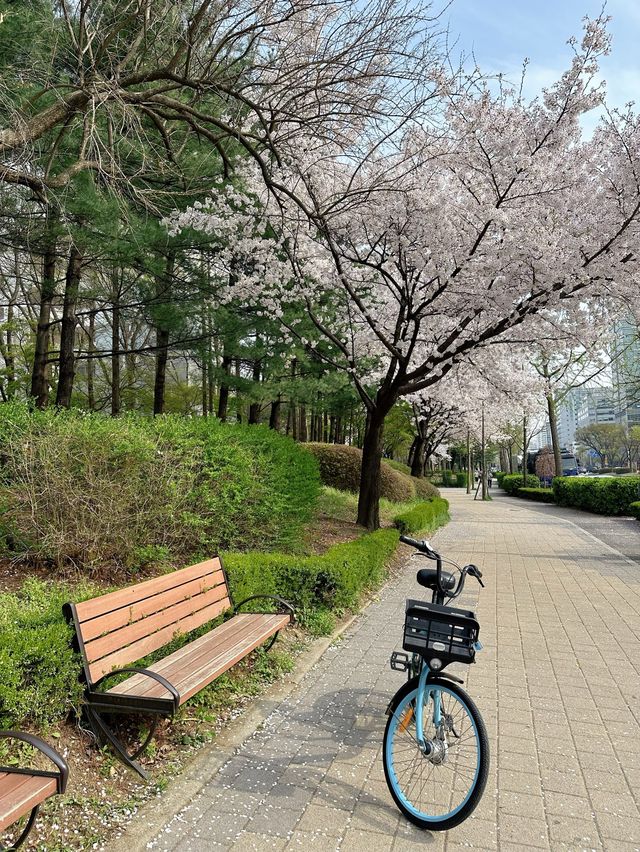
[464, 234]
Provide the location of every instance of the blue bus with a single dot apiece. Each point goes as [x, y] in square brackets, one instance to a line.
[569, 463]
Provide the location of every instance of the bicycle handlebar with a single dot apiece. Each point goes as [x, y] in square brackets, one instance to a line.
[425, 548]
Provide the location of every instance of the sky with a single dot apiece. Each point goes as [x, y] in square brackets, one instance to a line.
[501, 33]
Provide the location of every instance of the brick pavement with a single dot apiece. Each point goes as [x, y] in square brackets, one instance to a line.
[558, 685]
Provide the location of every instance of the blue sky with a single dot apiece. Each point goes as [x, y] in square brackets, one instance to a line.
[502, 32]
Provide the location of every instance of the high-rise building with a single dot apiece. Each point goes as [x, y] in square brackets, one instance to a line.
[626, 373]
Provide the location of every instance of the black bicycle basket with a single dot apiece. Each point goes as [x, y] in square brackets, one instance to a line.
[440, 633]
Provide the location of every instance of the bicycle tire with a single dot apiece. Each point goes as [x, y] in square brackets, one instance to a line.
[401, 704]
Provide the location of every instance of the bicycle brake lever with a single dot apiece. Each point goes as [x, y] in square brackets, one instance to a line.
[475, 572]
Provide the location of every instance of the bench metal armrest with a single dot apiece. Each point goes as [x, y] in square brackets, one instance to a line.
[173, 692]
[285, 604]
[61, 764]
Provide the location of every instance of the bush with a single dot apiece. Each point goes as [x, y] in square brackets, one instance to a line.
[634, 509]
[425, 490]
[605, 496]
[454, 479]
[423, 516]
[340, 468]
[511, 482]
[38, 671]
[91, 490]
[542, 495]
[332, 581]
[396, 465]
[500, 475]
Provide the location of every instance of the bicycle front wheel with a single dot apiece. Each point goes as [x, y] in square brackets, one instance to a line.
[439, 788]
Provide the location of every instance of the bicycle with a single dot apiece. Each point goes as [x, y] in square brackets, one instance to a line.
[435, 747]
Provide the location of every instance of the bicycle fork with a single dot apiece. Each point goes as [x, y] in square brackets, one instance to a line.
[436, 749]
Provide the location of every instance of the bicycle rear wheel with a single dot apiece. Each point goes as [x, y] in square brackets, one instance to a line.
[440, 789]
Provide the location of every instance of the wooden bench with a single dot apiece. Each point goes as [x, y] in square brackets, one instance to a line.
[22, 791]
[117, 629]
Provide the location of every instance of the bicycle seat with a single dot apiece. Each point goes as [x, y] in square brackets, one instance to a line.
[428, 577]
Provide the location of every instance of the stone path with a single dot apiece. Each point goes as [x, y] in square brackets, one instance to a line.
[558, 685]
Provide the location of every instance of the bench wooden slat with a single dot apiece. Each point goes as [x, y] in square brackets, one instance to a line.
[142, 647]
[196, 665]
[172, 615]
[197, 655]
[20, 793]
[132, 594]
[115, 619]
[225, 634]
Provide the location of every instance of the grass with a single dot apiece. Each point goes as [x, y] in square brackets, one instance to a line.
[343, 505]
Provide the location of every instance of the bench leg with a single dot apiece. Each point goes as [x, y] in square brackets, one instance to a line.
[26, 831]
[104, 733]
[273, 639]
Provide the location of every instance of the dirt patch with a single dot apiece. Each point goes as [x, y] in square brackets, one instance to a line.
[326, 531]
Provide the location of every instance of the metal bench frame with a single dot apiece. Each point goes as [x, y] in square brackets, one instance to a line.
[61, 775]
[98, 702]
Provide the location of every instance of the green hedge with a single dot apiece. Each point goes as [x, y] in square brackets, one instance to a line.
[454, 479]
[38, 671]
[340, 468]
[511, 482]
[333, 580]
[423, 516]
[542, 495]
[91, 491]
[603, 495]
[634, 509]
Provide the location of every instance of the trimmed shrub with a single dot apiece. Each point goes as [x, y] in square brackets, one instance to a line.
[332, 581]
[396, 465]
[454, 479]
[425, 490]
[38, 671]
[603, 495]
[423, 516]
[634, 509]
[542, 495]
[500, 475]
[340, 468]
[91, 490]
[511, 482]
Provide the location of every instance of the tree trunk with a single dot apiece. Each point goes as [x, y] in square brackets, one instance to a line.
[115, 348]
[254, 408]
[91, 398]
[67, 362]
[39, 376]
[9, 357]
[203, 388]
[238, 394]
[469, 468]
[418, 459]
[159, 385]
[555, 441]
[223, 399]
[163, 286]
[525, 444]
[274, 417]
[369, 496]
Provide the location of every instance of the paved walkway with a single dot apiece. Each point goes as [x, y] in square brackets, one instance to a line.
[558, 685]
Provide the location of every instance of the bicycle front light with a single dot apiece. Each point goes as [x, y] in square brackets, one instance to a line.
[435, 664]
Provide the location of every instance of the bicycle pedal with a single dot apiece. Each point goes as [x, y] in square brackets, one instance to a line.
[399, 661]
